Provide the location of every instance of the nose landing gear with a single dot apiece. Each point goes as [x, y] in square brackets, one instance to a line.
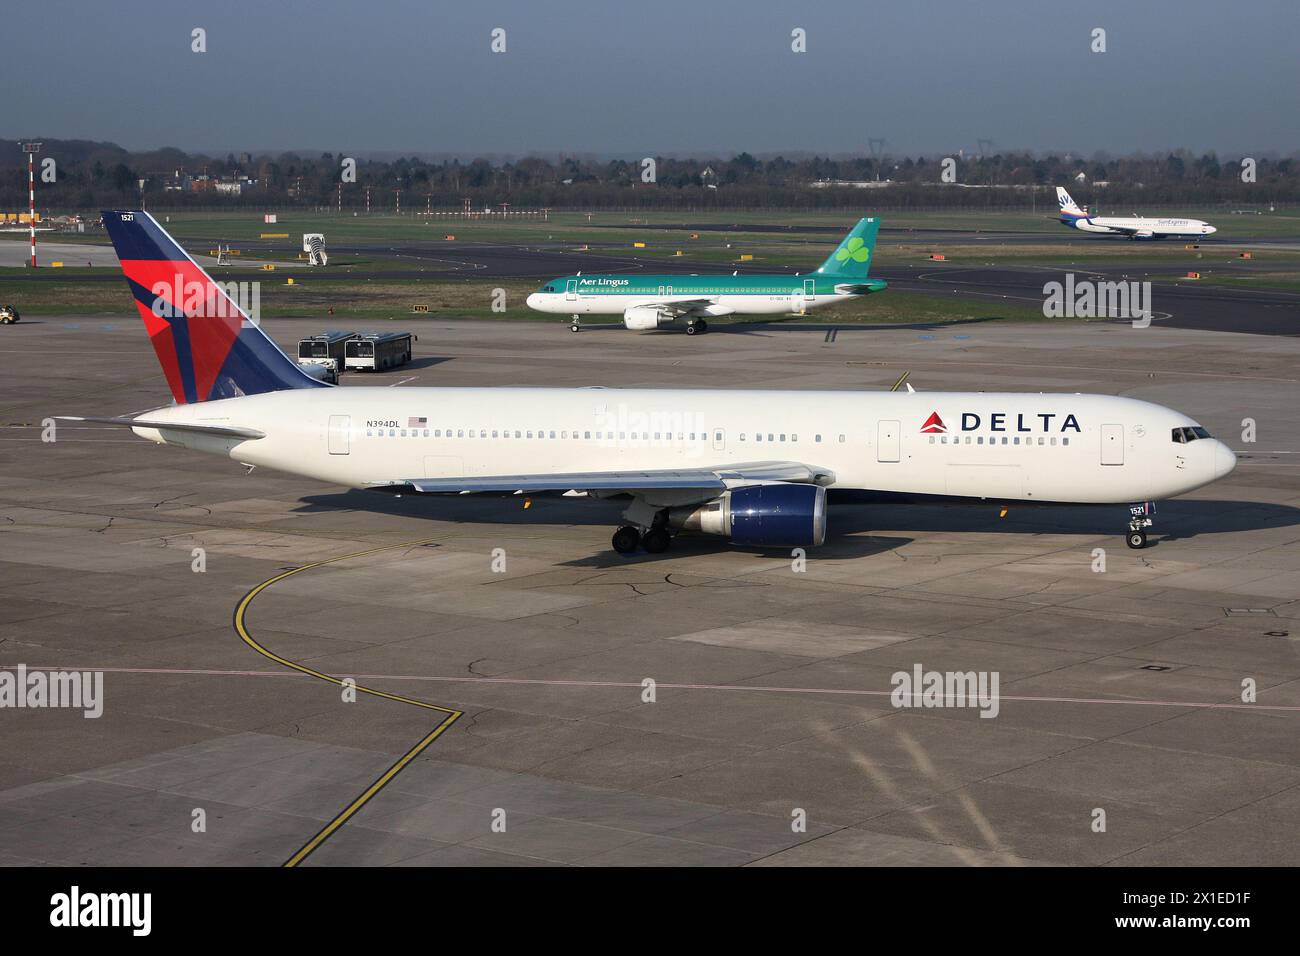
[574, 326]
[1139, 520]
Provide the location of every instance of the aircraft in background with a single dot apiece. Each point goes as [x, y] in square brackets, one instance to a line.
[1135, 227]
[754, 466]
[660, 301]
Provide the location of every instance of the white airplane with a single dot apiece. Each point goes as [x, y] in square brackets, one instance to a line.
[753, 465]
[649, 302]
[1134, 227]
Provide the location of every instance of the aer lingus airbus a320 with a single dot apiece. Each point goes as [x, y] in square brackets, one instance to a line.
[660, 301]
[754, 466]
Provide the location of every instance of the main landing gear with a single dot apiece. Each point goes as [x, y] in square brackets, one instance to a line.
[696, 327]
[1139, 520]
[654, 540]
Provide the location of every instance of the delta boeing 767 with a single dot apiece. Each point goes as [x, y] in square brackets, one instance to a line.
[754, 466]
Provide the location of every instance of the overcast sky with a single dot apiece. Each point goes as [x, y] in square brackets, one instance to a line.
[665, 77]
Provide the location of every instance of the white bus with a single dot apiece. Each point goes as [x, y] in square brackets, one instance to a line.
[327, 350]
[377, 351]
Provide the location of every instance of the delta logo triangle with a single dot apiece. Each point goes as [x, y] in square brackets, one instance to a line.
[934, 425]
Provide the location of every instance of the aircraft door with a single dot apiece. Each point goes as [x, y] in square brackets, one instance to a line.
[339, 434]
[809, 289]
[1112, 444]
[719, 439]
[888, 442]
[571, 290]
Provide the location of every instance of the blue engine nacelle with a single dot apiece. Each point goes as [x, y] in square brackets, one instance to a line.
[764, 516]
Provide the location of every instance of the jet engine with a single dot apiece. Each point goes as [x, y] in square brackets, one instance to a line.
[768, 516]
[642, 317]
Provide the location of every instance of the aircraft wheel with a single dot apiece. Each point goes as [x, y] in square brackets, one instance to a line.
[575, 328]
[701, 326]
[656, 540]
[691, 329]
[1137, 539]
[626, 539]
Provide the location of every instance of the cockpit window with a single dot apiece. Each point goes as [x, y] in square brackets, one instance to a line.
[549, 288]
[1189, 433]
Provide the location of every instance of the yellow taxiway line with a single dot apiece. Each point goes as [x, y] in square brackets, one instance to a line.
[450, 716]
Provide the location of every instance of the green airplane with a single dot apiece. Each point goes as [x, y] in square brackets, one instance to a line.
[660, 301]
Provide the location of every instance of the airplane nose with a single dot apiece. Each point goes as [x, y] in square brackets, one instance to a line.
[1210, 230]
[534, 301]
[1224, 459]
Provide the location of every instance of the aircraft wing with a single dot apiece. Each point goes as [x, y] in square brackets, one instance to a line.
[677, 305]
[711, 480]
[1130, 230]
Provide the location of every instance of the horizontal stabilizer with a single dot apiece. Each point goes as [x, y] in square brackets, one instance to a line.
[224, 431]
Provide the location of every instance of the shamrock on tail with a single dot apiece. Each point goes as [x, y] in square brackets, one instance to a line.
[854, 249]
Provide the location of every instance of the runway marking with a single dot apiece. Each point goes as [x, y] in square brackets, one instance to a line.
[758, 688]
[451, 715]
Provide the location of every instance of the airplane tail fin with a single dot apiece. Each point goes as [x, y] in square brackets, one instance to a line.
[852, 258]
[206, 343]
[1070, 210]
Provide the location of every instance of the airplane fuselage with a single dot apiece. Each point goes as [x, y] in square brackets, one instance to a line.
[1015, 447]
[1142, 228]
[713, 295]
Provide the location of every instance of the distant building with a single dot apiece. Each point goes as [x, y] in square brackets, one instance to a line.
[851, 184]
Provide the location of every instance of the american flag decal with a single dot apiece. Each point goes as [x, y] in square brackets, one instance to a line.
[416, 422]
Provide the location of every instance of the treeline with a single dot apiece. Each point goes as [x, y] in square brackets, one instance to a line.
[89, 176]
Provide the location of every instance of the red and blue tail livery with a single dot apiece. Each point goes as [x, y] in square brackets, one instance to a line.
[208, 346]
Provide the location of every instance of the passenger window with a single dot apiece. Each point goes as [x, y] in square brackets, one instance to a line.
[817, 439]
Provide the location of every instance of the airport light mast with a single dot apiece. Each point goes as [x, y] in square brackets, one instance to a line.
[31, 149]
